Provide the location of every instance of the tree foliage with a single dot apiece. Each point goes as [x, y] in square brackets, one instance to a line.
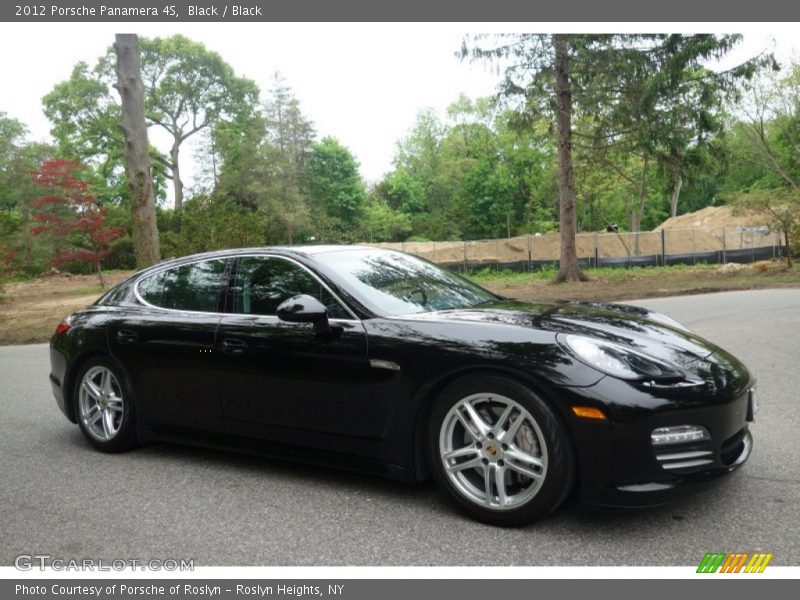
[650, 94]
[188, 89]
[621, 129]
[335, 190]
[71, 217]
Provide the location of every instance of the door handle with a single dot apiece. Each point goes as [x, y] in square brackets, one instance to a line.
[126, 337]
[233, 346]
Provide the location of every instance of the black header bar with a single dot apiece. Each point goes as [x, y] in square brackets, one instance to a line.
[533, 11]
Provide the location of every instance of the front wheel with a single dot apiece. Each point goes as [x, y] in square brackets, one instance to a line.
[498, 451]
[105, 407]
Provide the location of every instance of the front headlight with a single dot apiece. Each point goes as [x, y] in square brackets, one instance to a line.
[620, 361]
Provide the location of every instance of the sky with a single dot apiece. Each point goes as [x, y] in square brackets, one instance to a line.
[361, 83]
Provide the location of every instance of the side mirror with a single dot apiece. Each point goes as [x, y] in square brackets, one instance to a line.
[305, 309]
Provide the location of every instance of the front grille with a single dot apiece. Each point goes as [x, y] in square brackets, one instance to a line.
[732, 447]
[684, 460]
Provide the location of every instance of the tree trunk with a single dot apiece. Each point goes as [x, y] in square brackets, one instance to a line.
[638, 214]
[25, 213]
[176, 176]
[788, 249]
[673, 200]
[136, 151]
[100, 276]
[569, 269]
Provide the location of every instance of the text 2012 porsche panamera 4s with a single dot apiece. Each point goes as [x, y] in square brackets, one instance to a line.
[382, 362]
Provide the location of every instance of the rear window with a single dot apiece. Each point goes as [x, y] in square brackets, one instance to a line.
[194, 287]
[115, 295]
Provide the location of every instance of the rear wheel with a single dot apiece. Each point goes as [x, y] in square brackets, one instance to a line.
[104, 406]
[498, 451]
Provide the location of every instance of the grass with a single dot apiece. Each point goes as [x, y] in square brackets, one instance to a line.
[618, 274]
[88, 290]
[614, 284]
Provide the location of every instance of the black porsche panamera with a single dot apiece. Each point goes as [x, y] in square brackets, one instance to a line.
[382, 362]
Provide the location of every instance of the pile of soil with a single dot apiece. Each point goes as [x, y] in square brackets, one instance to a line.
[714, 217]
[707, 230]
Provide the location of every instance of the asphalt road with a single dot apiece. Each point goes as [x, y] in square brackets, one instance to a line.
[61, 498]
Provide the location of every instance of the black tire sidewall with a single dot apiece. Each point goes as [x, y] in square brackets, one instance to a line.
[126, 437]
[561, 458]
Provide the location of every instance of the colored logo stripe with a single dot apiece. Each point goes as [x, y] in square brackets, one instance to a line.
[734, 563]
[711, 562]
[758, 563]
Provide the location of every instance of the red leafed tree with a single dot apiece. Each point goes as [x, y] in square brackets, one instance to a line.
[7, 261]
[72, 217]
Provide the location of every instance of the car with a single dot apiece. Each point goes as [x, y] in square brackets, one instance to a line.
[382, 362]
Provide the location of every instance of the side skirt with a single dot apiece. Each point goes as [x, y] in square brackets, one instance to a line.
[274, 450]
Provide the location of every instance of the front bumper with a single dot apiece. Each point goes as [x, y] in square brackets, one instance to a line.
[620, 467]
[659, 493]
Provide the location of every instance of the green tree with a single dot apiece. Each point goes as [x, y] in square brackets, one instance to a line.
[12, 137]
[381, 223]
[85, 117]
[472, 175]
[335, 189]
[769, 154]
[242, 170]
[209, 223]
[612, 85]
[188, 89]
[19, 158]
[423, 180]
[671, 109]
[289, 137]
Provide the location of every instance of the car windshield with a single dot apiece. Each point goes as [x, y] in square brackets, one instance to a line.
[396, 284]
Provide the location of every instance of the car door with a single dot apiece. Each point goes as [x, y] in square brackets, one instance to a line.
[167, 345]
[281, 380]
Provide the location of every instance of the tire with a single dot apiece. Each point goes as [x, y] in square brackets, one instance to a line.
[104, 406]
[529, 453]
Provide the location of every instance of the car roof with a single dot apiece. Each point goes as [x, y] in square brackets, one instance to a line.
[305, 251]
[324, 249]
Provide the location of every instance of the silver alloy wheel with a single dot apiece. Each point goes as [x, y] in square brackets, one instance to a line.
[100, 403]
[493, 451]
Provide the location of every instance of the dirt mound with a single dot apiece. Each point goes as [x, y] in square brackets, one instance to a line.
[713, 217]
[712, 229]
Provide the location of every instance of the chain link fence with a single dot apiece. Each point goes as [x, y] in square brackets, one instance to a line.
[646, 248]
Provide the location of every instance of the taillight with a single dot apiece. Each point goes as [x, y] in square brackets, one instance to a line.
[64, 325]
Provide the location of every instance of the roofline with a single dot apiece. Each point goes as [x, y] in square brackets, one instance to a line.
[302, 252]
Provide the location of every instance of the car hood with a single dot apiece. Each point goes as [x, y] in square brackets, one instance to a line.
[639, 328]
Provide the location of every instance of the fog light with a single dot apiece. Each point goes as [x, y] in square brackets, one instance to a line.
[679, 434]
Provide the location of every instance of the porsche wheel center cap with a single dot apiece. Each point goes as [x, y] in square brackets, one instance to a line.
[493, 452]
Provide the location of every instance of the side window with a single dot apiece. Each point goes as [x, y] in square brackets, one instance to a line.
[193, 287]
[263, 282]
[151, 287]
